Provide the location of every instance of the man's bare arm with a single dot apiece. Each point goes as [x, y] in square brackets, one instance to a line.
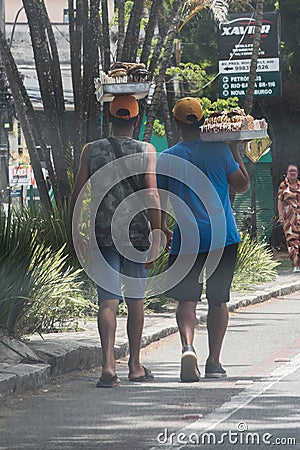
[152, 204]
[168, 233]
[81, 178]
[239, 180]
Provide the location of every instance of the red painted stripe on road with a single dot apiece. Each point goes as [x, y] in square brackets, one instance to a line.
[283, 353]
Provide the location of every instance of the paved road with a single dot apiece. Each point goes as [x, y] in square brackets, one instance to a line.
[256, 407]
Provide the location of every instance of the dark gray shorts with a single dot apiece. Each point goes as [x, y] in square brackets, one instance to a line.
[217, 285]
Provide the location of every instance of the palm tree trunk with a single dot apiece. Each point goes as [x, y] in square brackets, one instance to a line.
[106, 62]
[55, 71]
[249, 103]
[164, 29]
[43, 67]
[169, 127]
[105, 36]
[159, 83]
[76, 32]
[130, 46]
[153, 17]
[256, 44]
[121, 28]
[92, 61]
[155, 57]
[13, 77]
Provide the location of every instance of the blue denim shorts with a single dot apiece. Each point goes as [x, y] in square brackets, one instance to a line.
[122, 287]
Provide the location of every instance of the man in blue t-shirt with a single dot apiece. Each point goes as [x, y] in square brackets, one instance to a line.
[194, 178]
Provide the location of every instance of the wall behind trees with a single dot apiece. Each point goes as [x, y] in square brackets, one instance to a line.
[55, 10]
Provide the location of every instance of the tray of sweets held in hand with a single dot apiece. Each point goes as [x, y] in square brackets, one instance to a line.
[227, 136]
[107, 92]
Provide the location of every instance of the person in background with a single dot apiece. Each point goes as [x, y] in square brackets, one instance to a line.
[219, 166]
[113, 243]
[289, 213]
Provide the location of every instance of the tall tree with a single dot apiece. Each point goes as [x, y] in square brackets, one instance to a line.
[84, 29]
[90, 37]
[131, 41]
[159, 82]
[105, 36]
[44, 67]
[17, 89]
[254, 57]
[76, 37]
[121, 28]
[181, 11]
[149, 33]
[249, 101]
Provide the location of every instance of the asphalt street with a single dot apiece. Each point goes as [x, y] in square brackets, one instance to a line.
[256, 407]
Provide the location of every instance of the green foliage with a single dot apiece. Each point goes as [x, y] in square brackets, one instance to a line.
[54, 302]
[255, 264]
[158, 128]
[36, 279]
[199, 46]
[238, 6]
[52, 230]
[189, 73]
[127, 11]
[218, 105]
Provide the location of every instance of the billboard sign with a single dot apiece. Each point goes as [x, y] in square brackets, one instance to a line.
[235, 51]
[21, 175]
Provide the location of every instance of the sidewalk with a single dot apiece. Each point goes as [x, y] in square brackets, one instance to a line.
[34, 362]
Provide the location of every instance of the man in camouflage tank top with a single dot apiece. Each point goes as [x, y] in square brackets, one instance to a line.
[128, 209]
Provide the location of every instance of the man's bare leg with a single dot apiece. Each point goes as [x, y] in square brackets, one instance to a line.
[135, 324]
[217, 321]
[186, 321]
[107, 323]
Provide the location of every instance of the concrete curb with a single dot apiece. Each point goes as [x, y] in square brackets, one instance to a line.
[56, 357]
[23, 377]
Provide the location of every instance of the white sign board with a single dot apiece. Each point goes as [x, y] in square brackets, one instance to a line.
[21, 175]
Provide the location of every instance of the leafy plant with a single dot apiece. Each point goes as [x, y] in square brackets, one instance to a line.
[218, 105]
[34, 276]
[255, 264]
[52, 229]
[190, 73]
[55, 302]
[158, 128]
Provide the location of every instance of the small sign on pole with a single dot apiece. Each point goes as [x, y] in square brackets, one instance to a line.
[21, 175]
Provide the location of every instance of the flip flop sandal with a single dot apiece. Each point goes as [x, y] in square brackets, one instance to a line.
[108, 382]
[146, 377]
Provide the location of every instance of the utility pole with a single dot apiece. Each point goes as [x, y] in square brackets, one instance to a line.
[4, 179]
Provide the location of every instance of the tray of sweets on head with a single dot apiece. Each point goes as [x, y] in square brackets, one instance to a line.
[232, 125]
[243, 135]
[123, 79]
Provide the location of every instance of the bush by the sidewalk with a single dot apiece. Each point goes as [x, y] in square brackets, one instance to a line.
[39, 289]
[255, 264]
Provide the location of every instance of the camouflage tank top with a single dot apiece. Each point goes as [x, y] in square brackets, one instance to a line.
[120, 218]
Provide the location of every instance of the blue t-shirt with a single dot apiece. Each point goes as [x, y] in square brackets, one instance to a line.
[195, 174]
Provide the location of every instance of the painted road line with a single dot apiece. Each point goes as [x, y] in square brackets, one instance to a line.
[179, 439]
